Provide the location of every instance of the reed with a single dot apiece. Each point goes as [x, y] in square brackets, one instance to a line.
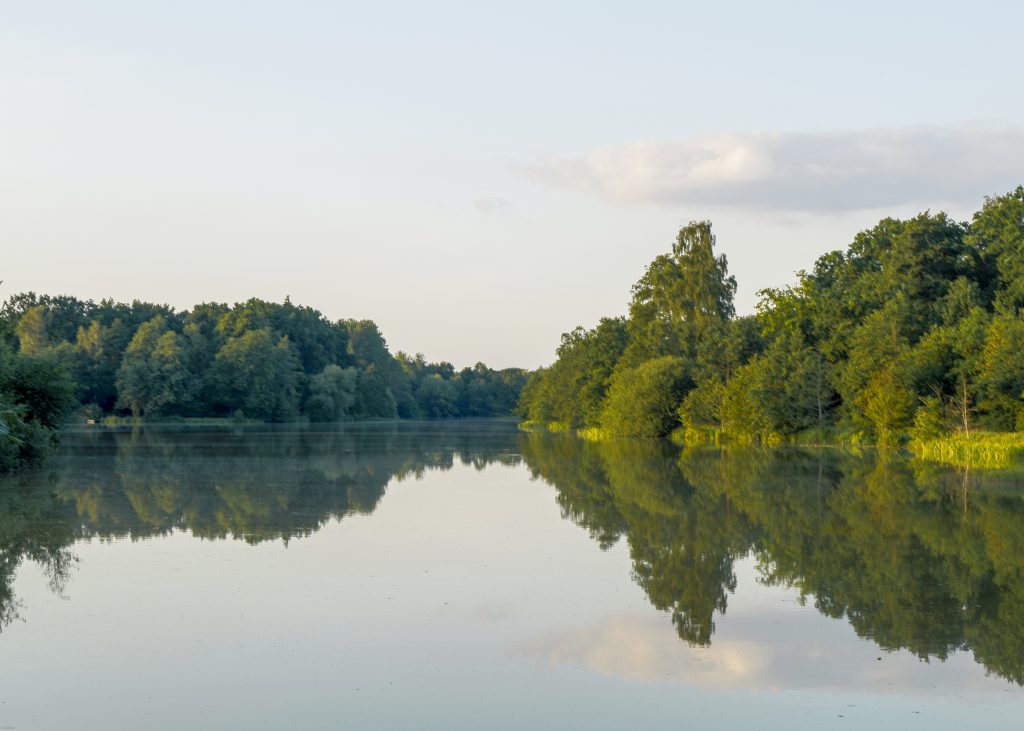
[987, 450]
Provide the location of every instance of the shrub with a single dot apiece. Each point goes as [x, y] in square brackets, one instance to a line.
[644, 401]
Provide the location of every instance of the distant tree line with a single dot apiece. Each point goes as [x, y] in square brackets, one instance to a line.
[257, 360]
[915, 328]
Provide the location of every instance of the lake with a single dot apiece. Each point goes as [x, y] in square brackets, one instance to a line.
[464, 575]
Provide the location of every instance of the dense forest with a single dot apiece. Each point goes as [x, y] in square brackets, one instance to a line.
[254, 360]
[914, 329]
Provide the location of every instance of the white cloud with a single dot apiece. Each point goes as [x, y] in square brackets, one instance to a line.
[769, 651]
[802, 171]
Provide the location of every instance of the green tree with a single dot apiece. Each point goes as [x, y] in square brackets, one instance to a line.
[154, 376]
[1001, 374]
[62, 315]
[573, 389]
[437, 397]
[644, 401]
[369, 350]
[98, 352]
[680, 297]
[332, 393]
[374, 400]
[258, 373]
[744, 414]
[33, 331]
[998, 231]
[720, 356]
[36, 393]
[780, 392]
[536, 400]
[875, 379]
[484, 391]
[317, 342]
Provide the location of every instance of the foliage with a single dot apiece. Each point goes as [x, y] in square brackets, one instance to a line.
[643, 401]
[680, 298]
[572, 391]
[258, 373]
[154, 377]
[332, 393]
[437, 397]
[915, 327]
[35, 394]
[263, 360]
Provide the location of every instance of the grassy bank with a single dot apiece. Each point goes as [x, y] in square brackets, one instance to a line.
[128, 421]
[981, 450]
[158, 421]
[978, 449]
[715, 436]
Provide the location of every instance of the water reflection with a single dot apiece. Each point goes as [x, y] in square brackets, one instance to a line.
[217, 484]
[254, 486]
[32, 527]
[912, 556]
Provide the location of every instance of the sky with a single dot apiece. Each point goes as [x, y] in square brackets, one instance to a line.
[478, 178]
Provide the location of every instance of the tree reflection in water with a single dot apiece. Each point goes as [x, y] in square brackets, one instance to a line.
[254, 486]
[911, 555]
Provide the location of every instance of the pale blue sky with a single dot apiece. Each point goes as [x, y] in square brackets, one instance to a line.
[479, 178]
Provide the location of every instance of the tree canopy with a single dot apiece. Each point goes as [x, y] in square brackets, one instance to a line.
[256, 359]
[915, 327]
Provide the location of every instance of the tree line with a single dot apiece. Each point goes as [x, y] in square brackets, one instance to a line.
[253, 360]
[914, 329]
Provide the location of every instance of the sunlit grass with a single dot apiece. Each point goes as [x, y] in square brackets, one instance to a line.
[593, 434]
[982, 450]
[532, 425]
[555, 427]
[169, 420]
[694, 436]
[978, 449]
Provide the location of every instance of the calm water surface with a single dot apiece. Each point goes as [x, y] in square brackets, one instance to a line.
[466, 576]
